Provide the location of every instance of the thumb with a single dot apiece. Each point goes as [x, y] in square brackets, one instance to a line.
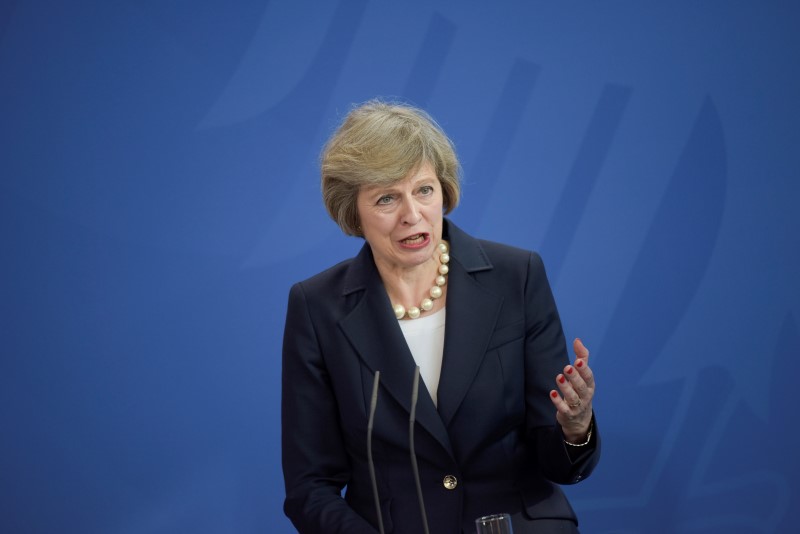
[580, 349]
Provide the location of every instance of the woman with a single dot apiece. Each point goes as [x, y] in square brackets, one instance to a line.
[501, 416]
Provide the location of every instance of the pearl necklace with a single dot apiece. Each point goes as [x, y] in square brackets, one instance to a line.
[435, 292]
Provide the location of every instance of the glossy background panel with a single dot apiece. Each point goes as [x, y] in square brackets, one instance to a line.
[159, 194]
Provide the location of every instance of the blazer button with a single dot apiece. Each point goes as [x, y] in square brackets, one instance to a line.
[450, 482]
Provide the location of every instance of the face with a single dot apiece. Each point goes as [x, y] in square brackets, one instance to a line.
[403, 222]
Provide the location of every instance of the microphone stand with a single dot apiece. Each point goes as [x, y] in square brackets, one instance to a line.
[414, 467]
[372, 405]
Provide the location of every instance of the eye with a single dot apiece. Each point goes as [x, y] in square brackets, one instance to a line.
[385, 199]
[426, 189]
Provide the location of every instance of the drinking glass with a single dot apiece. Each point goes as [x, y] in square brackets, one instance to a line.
[494, 524]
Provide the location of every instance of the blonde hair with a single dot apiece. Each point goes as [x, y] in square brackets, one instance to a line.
[378, 144]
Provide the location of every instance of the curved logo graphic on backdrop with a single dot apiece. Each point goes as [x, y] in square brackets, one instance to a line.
[265, 77]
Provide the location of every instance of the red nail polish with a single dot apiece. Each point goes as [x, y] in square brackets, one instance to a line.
[569, 370]
[562, 379]
[554, 394]
[579, 363]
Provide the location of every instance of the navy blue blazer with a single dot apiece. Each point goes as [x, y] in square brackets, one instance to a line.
[494, 431]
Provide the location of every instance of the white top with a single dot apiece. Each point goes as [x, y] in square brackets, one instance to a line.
[425, 338]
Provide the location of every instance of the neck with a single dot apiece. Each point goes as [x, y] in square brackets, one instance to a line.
[408, 285]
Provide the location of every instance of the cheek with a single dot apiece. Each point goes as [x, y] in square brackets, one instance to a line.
[435, 210]
[376, 225]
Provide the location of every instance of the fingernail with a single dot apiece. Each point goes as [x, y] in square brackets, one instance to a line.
[579, 363]
[562, 379]
[554, 394]
[569, 370]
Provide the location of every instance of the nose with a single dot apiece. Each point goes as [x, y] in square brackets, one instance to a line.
[411, 212]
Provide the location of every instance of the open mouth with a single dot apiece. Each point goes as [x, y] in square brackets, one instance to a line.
[414, 240]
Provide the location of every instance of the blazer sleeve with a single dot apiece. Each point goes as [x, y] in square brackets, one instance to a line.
[315, 462]
[545, 357]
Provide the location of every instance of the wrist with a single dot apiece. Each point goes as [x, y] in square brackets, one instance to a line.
[579, 439]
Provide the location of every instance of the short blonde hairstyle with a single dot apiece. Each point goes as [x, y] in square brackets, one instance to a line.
[379, 144]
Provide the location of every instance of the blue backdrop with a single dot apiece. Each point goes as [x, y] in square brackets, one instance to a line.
[159, 194]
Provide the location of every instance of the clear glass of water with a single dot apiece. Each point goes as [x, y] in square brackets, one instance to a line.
[494, 524]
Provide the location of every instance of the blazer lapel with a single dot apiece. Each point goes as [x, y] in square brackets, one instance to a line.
[372, 329]
[472, 313]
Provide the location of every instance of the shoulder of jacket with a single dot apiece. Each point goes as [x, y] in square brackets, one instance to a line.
[503, 254]
[331, 279]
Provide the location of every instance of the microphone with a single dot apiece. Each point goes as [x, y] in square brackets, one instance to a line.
[414, 467]
[372, 405]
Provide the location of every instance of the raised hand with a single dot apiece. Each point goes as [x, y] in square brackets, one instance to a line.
[574, 403]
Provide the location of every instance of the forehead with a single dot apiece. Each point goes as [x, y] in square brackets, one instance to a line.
[421, 173]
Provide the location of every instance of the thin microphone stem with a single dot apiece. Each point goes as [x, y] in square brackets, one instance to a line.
[372, 405]
[414, 467]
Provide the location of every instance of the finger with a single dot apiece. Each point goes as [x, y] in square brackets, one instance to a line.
[581, 352]
[578, 383]
[585, 373]
[571, 397]
[559, 403]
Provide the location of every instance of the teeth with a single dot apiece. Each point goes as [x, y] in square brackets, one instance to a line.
[414, 239]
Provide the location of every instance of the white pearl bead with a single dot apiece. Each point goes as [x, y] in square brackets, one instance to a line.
[435, 292]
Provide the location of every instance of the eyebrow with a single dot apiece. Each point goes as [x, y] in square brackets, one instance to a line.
[382, 190]
[416, 183]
